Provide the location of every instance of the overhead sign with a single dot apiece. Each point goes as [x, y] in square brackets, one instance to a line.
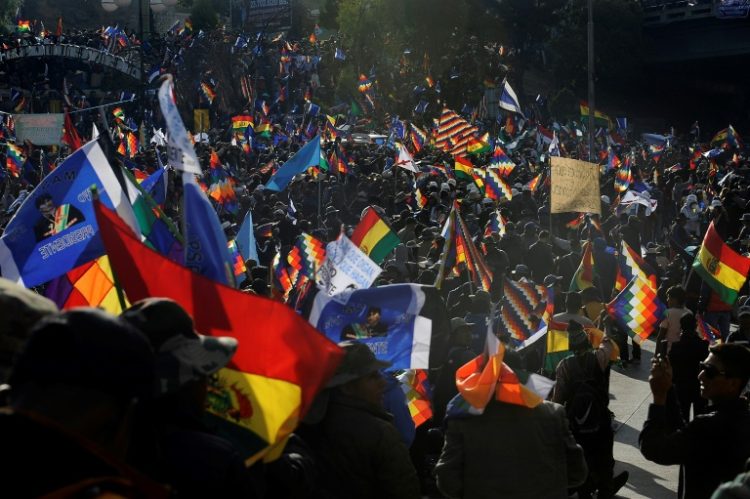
[732, 9]
[269, 15]
[574, 186]
[39, 129]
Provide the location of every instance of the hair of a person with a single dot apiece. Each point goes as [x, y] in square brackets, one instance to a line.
[678, 293]
[735, 358]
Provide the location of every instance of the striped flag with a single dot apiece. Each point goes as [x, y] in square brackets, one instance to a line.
[307, 255]
[722, 268]
[501, 162]
[14, 159]
[637, 310]
[453, 133]
[497, 187]
[208, 92]
[523, 306]
[459, 252]
[629, 264]
[89, 285]
[374, 236]
[495, 224]
[584, 276]
[416, 387]
[623, 177]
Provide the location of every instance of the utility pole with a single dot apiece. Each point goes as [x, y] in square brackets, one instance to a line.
[592, 102]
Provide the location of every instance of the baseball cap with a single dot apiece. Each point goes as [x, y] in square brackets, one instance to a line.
[182, 354]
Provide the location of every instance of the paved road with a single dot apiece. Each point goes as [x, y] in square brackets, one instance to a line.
[630, 398]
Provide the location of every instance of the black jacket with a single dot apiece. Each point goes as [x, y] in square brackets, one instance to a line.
[711, 449]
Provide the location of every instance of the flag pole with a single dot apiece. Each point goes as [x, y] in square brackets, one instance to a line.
[592, 103]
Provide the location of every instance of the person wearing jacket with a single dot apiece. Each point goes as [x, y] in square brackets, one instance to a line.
[713, 447]
[359, 451]
[511, 451]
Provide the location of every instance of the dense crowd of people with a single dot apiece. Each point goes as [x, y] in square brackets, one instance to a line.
[105, 403]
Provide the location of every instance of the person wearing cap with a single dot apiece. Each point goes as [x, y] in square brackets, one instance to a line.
[685, 356]
[723, 433]
[589, 367]
[510, 451]
[573, 305]
[742, 334]
[75, 388]
[359, 451]
[192, 460]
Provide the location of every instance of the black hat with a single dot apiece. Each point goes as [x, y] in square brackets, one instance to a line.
[87, 347]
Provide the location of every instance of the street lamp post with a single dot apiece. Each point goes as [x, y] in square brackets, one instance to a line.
[592, 103]
[155, 5]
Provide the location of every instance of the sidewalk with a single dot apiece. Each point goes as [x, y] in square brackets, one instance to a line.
[629, 400]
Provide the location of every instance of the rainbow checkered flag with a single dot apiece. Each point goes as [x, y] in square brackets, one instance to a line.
[637, 309]
[416, 387]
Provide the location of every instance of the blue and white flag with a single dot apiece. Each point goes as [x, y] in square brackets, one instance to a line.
[156, 185]
[508, 100]
[622, 123]
[340, 55]
[396, 321]
[206, 248]
[246, 239]
[55, 228]
[306, 157]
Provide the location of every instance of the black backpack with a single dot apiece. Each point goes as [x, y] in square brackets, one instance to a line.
[586, 405]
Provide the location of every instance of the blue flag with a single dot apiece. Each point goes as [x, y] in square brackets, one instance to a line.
[54, 229]
[246, 239]
[206, 248]
[396, 321]
[156, 186]
[509, 100]
[306, 157]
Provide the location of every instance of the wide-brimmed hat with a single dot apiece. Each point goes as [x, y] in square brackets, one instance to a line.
[358, 361]
[182, 354]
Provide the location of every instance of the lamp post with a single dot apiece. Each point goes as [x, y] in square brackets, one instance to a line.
[592, 103]
[155, 5]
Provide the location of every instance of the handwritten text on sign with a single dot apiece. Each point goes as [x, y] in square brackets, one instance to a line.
[575, 186]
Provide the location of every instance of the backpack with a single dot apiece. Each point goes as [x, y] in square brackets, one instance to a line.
[586, 407]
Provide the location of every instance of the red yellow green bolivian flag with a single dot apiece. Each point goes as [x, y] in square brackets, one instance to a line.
[720, 266]
[374, 236]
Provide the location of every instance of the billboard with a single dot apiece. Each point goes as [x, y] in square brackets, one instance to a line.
[268, 15]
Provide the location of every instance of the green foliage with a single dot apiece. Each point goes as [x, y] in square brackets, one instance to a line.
[329, 14]
[203, 14]
[7, 12]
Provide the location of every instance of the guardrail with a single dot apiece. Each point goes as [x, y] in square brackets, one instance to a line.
[129, 66]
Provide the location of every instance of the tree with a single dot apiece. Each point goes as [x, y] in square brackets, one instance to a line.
[7, 12]
[203, 15]
[329, 14]
[618, 47]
